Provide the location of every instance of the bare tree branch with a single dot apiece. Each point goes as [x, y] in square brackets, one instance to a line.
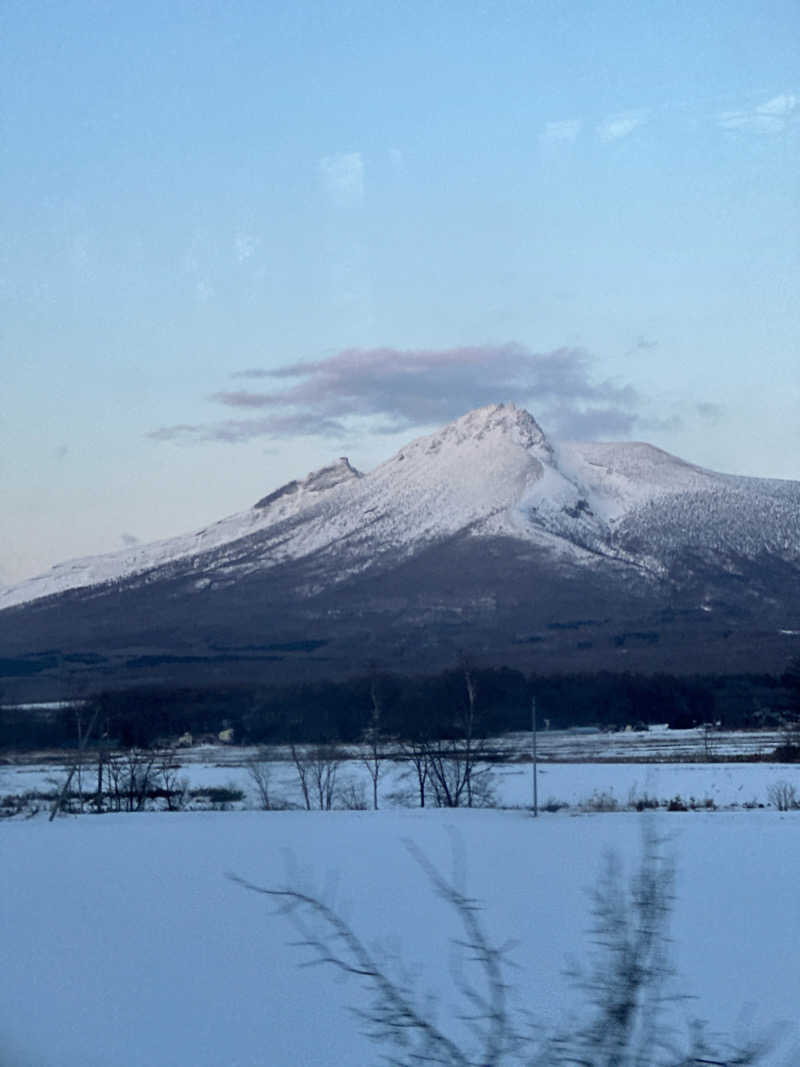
[627, 985]
[392, 1015]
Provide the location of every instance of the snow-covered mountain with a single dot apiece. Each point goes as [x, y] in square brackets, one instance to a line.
[505, 512]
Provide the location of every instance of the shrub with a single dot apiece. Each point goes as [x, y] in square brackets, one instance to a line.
[601, 801]
[352, 797]
[218, 797]
[643, 801]
[783, 796]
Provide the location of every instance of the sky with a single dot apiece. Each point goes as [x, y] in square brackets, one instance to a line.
[239, 240]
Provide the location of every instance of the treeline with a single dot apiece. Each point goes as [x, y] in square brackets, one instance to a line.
[409, 707]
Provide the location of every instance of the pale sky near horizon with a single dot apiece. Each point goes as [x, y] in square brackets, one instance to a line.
[240, 240]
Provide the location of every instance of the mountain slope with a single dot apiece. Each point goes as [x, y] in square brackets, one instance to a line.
[484, 535]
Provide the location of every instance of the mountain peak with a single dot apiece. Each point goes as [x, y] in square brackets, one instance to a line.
[503, 417]
[493, 423]
[506, 419]
[481, 535]
[316, 482]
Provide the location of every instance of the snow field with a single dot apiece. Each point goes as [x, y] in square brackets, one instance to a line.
[126, 944]
[726, 785]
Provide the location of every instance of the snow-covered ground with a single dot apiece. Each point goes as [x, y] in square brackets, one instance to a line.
[659, 743]
[125, 943]
[726, 784]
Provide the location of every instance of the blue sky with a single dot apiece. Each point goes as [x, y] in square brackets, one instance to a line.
[238, 240]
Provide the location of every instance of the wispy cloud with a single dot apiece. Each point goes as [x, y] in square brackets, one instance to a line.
[252, 372]
[245, 246]
[615, 127]
[388, 390]
[565, 131]
[343, 177]
[236, 431]
[771, 116]
[707, 409]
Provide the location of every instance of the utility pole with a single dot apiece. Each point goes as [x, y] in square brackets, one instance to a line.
[533, 758]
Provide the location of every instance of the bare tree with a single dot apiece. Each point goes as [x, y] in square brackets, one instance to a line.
[631, 981]
[301, 765]
[450, 771]
[325, 761]
[131, 778]
[415, 752]
[169, 783]
[80, 753]
[622, 1024]
[101, 756]
[630, 968]
[394, 1017]
[259, 769]
[469, 727]
[317, 770]
[453, 770]
[373, 741]
[452, 761]
[83, 739]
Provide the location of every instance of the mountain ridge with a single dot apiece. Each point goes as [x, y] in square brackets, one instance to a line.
[497, 472]
[527, 535]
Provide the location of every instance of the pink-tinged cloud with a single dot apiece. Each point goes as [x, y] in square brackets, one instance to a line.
[408, 389]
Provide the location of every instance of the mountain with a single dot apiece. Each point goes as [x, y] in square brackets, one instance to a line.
[485, 538]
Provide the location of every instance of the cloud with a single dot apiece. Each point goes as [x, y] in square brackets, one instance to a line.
[772, 116]
[251, 372]
[565, 131]
[615, 127]
[245, 246]
[389, 390]
[343, 177]
[129, 540]
[707, 409]
[236, 431]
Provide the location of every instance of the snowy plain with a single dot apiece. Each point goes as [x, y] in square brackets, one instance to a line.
[127, 944]
[573, 768]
